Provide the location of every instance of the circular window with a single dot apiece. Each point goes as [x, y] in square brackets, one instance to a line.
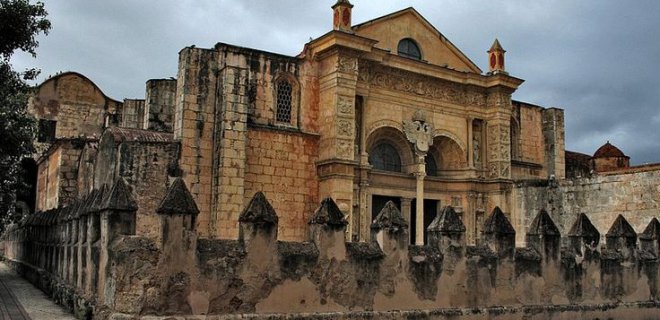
[409, 49]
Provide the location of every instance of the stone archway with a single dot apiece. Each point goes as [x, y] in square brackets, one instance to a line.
[391, 138]
[448, 154]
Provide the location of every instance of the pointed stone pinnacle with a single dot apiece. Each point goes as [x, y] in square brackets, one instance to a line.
[329, 214]
[652, 230]
[178, 200]
[119, 198]
[498, 223]
[389, 218]
[621, 228]
[447, 221]
[259, 211]
[543, 225]
[582, 227]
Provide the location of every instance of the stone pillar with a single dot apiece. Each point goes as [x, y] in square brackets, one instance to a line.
[499, 235]
[553, 137]
[498, 139]
[618, 260]
[337, 153]
[419, 214]
[650, 238]
[406, 207]
[258, 224]
[195, 126]
[326, 230]
[470, 143]
[447, 233]
[117, 218]
[621, 237]
[389, 229]
[177, 227]
[583, 237]
[544, 237]
[420, 133]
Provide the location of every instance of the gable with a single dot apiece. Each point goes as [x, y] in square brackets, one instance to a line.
[408, 23]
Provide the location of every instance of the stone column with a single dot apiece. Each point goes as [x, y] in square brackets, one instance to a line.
[420, 133]
[419, 227]
[405, 211]
[470, 142]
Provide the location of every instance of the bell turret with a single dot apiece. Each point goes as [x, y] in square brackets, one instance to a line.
[496, 58]
[342, 16]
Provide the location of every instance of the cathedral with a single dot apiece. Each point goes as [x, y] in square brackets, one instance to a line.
[385, 110]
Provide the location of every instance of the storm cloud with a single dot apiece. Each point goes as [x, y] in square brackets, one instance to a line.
[598, 60]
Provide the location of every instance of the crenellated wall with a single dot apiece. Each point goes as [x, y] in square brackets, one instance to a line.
[88, 258]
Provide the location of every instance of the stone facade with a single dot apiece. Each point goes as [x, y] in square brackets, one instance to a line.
[141, 203]
[319, 125]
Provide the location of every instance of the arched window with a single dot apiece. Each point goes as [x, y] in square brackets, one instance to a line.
[431, 165]
[409, 49]
[385, 157]
[284, 101]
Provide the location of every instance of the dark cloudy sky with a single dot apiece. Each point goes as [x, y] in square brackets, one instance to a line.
[599, 60]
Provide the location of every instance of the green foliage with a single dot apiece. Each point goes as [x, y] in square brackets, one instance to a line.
[20, 23]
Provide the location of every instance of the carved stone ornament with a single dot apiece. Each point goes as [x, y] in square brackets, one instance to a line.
[419, 132]
[432, 88]
[345, 105]
[347, 64]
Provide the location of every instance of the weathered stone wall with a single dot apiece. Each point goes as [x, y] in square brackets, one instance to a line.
[57, 175]
[133, 115]
[48, 181]
[76, 103]
[634, 194]
[282, 164]
[87, 256]
[146, 160]
[159, 105]
[180, 274]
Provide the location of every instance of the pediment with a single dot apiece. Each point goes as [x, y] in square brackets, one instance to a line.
[408, 23]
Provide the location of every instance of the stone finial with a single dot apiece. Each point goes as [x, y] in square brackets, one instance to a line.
[329, 214]
[499, 235]
[544, 236]
[621, 234]
[259, 211]
[341, 20]
[447, 222]
[496, 57]
[650, 238]
[652, 230]
[178, 200]
[498, 223]
[583, 228]
[119, 198]
[389, 218]
[543, 225]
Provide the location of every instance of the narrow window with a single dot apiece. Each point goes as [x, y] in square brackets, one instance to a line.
[46, 130]
[284, 99]
[409, 49]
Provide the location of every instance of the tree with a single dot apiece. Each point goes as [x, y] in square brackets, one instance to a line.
[20, 23]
